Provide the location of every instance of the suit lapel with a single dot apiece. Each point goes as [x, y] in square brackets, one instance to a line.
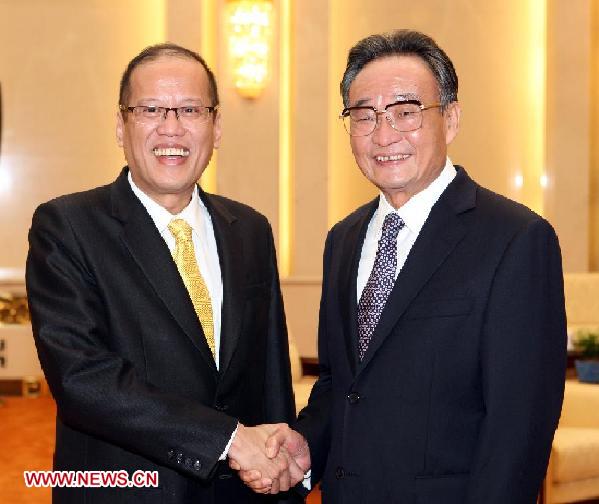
[348, 275]
[230, 252]
[440, 234]
[151, 254]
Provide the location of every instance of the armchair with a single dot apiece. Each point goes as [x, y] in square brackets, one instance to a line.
[573, 471]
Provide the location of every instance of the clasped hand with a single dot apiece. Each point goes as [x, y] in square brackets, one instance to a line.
[270, 458]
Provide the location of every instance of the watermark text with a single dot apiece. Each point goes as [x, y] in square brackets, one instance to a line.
[91, 479]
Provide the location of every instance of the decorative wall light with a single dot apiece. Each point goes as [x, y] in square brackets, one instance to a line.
[518, 180]
[249, 32]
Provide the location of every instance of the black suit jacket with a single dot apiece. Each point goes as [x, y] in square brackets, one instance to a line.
[460, 391]
[124, 354]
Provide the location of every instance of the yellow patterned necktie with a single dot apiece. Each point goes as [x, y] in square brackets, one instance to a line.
[185, 259]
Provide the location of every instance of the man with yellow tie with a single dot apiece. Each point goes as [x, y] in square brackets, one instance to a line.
[156, 308]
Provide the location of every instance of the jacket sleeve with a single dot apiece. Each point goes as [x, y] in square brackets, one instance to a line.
[314, 421]
[97, 390]
[523, 358]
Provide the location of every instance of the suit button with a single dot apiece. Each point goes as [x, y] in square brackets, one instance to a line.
[197, 465]
[339, 473]
[353, 398]
[221, 407]
[170, 454]
[179, 457]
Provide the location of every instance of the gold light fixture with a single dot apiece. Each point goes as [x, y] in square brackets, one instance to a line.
[249, 31]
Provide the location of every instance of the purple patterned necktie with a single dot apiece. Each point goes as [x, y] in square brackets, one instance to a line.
[380, 282]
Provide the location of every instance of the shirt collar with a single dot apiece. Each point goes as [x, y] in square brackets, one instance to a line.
[192, 213]
[415, 211]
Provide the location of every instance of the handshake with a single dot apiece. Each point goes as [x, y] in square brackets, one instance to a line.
[270, 458]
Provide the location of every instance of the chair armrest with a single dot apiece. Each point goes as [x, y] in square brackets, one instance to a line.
[581, 405]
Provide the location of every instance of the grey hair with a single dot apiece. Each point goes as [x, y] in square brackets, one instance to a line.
[402, 43]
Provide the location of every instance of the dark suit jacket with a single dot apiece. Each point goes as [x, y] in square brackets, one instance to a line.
[459, 393]
[124, 354]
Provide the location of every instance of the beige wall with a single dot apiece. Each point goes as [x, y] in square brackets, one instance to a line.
[525, 69]
[569, 99]
[61, 62]
[594, 140]
[248, 156]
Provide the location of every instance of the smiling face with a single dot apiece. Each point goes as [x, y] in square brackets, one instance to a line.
[166, 157]
[402, 164]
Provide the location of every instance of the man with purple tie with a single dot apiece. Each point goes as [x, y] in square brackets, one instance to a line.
[442, 336]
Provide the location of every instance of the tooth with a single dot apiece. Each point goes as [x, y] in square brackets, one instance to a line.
[170, 151]
[395, 157]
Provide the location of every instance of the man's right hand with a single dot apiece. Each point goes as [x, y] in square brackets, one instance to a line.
[248, 454]
[282, 441]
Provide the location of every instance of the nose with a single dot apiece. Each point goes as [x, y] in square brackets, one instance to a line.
[384, 133]
[170, 125]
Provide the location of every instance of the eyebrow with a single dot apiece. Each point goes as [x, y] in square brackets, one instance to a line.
[398, 98]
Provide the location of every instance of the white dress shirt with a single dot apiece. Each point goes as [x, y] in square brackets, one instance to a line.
[204, 244]
[414, 214]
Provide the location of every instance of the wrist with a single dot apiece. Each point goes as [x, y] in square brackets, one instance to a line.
[237, 440]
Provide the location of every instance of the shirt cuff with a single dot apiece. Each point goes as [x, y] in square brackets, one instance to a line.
[307, 483]
[226, 452]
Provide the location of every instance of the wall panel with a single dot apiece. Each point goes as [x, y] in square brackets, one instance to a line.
[61, 63]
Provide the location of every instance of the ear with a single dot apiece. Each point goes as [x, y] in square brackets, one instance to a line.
[216, 129]
[120, 126]
[452, 121]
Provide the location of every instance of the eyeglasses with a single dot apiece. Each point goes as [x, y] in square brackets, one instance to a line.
[402, 116]
[190, 114]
